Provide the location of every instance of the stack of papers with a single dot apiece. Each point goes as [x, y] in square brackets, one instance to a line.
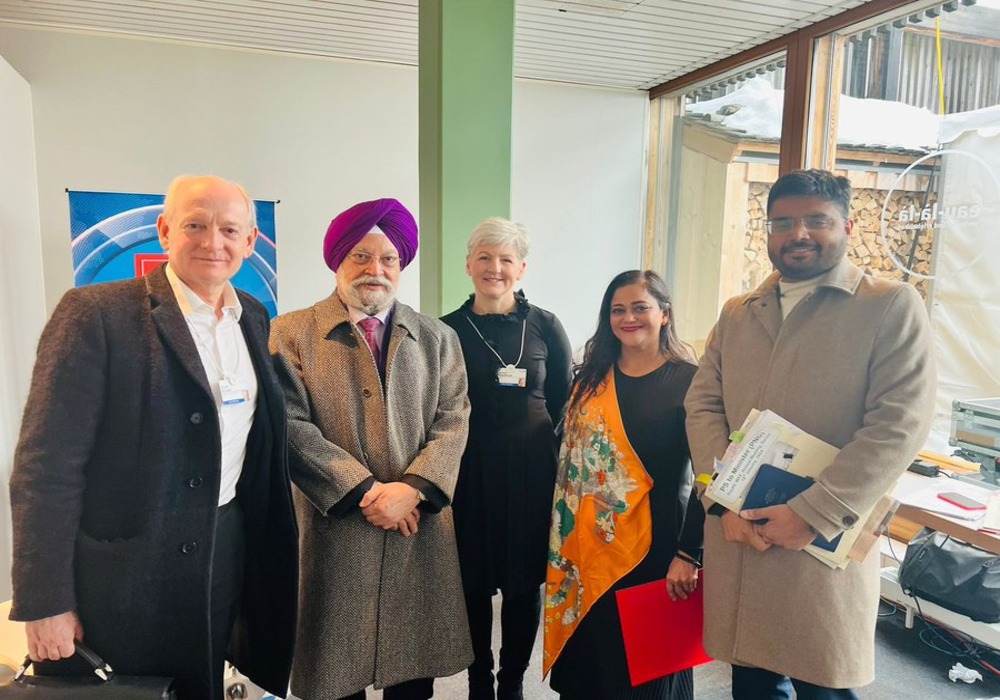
[766, 438]
[765, 446]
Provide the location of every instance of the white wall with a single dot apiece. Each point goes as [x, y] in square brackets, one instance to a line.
[578, 182]
[22, 302]
[124, 114]
[128, 115]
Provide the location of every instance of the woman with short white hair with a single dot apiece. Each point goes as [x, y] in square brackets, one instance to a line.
[518, 361]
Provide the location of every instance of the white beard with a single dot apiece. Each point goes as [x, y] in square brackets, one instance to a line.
[371, 302]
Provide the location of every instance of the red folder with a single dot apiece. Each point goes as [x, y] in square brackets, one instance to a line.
[662, 636]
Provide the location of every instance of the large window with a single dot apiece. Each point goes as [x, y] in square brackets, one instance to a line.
[724, 148]
[912, 117]
[906, 104]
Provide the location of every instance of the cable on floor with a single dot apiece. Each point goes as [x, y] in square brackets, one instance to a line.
[946, 640]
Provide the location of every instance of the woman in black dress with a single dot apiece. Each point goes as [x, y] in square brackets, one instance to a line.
[625, 513]
[518, 361]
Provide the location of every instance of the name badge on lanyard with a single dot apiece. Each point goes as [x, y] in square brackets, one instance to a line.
[512, 376]
[233, 392]
[509, 375]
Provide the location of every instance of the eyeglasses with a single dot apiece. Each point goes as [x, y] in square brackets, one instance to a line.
[362, 259]
[813, 222]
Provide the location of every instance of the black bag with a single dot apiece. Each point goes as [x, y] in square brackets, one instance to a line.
[103, 685]
[952, 574]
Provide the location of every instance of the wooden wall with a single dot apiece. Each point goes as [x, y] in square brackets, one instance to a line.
[721, 242]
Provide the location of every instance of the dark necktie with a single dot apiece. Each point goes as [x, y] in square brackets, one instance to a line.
[370, 325]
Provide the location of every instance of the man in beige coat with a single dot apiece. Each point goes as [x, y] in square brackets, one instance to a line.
[847, 358]
[378, 418]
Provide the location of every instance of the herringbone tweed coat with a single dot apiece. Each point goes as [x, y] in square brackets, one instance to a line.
[377, 608]
[853, 365]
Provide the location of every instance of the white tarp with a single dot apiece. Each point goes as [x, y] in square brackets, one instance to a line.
[965, 296]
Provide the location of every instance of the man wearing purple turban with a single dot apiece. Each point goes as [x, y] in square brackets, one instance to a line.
[377, 422]
[387, 216]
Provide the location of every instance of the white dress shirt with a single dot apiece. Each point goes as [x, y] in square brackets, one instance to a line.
[229, 368]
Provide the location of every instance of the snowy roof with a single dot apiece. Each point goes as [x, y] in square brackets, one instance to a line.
[756, 107]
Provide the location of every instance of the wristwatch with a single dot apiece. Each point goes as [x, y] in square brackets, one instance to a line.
[421, 496]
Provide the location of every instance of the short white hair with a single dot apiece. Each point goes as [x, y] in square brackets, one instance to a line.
[502, 233]
[182, 180]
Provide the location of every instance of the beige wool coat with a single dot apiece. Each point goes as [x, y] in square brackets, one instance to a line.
[376, 607]
[852, 364]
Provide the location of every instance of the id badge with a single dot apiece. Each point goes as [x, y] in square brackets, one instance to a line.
[512, 376]
[233, 393]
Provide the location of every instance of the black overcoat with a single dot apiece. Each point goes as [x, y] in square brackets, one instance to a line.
[115, 486]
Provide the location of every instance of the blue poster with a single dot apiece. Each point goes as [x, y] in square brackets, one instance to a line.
[114, 238]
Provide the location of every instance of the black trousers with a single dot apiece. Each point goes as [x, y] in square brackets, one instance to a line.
[228, 563]
[417, 689]
[519, 616]
[760, 684]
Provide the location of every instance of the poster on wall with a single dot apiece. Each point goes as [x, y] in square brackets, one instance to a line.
[114, 238]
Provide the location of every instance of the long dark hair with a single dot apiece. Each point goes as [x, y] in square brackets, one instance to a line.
[603, 348]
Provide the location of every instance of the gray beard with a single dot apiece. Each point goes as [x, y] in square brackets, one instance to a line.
[372, 309]
[370, 303]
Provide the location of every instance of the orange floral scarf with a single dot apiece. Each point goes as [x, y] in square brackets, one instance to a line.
[601, 521]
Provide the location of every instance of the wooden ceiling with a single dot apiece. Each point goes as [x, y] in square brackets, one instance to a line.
[620, 43]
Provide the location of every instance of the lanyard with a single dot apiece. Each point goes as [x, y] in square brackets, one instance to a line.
[524, 324]
[199, 340]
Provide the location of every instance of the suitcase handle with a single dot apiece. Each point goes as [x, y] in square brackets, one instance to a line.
[101, 668]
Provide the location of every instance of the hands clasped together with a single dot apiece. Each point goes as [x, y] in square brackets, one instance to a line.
[392, 506]
[783, 527]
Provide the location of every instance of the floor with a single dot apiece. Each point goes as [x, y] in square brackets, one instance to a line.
[906, 669]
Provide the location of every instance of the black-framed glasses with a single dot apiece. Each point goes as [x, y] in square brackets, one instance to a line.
[813, 222]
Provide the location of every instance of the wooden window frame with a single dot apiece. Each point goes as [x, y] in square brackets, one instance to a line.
[799, 55]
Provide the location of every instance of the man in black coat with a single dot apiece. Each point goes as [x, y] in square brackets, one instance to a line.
[150, 498]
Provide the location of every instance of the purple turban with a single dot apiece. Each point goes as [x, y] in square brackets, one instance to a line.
[349, 227]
